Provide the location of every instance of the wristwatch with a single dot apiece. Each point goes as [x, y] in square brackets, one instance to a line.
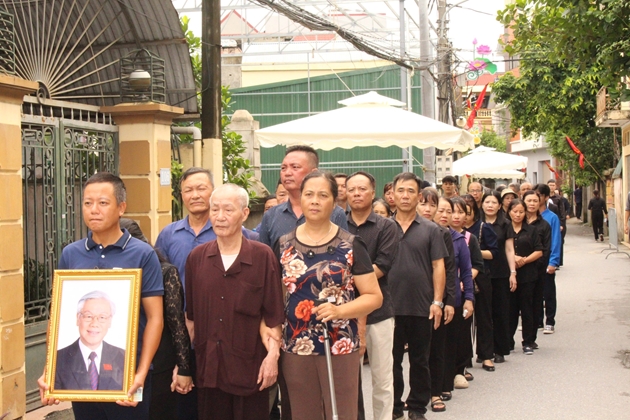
[438, 303]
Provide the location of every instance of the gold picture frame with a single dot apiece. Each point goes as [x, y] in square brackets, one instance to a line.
[104, 306]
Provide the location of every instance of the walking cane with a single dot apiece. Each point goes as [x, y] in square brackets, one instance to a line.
[331, 380]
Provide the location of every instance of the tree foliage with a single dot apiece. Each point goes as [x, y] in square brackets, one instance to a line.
[491, 139]
[555, 93]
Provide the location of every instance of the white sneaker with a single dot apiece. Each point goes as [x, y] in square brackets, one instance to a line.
[460, 382]
[549, 329]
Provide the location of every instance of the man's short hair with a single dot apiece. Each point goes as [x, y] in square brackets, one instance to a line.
[407, 176]
[340, 175]
[238, 191]
[543, 190]
[270, 197]
[514, 185]
[449, 179]
[96, 294]
[551, 180]
[311, 154]
[196, 170]
[120, 192]
[365, 174]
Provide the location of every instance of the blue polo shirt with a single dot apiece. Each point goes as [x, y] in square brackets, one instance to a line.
[128, 252]
[280, 220]
[177, 240]
[556, 237]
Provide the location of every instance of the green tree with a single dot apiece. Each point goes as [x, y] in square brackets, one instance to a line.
[491, 139]
[555, 94]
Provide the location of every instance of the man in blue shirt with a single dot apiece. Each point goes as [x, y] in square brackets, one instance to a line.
[549, 282]
[108, 247]
[176, 240]
[297, 163]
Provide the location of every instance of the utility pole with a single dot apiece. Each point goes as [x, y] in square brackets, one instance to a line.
[211, 70]
[426, 85]
[444, 64]
[407, 153]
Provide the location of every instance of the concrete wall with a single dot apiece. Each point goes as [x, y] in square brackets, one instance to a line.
[12, 340]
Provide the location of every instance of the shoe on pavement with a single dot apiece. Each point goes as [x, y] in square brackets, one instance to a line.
[415, 415]
[549, 329]
[499, 358]
[528, 350]
[397, 415]
[601, 237]
[534, 346]
[460, 382]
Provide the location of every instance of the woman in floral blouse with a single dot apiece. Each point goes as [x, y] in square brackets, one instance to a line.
[321, 266]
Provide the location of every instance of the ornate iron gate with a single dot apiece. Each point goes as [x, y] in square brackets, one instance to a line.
[63, 144]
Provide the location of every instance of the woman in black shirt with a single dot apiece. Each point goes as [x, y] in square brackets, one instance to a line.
[502, 272]
[483, 299]
[527, 249]
[597, 206]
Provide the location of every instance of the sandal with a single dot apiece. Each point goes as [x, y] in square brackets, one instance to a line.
[446, 396]
[469, 377]
[437, 405]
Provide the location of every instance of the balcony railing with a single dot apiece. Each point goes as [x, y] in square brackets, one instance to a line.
[603, 102]
[482, 113]
[611, 112]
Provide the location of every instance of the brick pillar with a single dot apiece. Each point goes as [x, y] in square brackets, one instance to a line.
[144, 132]
[12, 353]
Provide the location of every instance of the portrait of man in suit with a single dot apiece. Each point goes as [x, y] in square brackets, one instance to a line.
[90, 363]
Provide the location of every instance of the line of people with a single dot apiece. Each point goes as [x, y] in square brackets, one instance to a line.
[404, 273]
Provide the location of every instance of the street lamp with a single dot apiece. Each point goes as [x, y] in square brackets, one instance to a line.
[142, 77]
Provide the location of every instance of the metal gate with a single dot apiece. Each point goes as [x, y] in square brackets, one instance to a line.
[63, 144]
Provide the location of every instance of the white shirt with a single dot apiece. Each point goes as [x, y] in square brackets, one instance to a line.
[228, 260]
[85, 352]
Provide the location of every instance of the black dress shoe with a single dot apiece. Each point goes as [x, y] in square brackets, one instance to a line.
[489, 368]
[534, 346]
[498, 358]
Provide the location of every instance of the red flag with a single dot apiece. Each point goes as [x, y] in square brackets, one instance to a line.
[576, 151]
[550, 167]
[473, 114]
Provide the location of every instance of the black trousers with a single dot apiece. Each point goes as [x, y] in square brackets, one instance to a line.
[501, 315]
[113, 411]
[522, 301]
[416, 332]
[437, 359]
[187, 403]
[458, 349]
[549, 295]
[483, 316]
[598, 226]
[163, 401]
[578, 210]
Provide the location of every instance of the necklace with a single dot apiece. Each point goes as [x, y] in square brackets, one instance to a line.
[322, 238]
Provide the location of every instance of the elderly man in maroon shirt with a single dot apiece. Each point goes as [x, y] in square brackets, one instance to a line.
[232, 284]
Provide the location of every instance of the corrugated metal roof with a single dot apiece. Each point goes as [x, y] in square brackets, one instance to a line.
[73, 46]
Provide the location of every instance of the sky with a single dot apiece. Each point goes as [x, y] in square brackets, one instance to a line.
[473, 19]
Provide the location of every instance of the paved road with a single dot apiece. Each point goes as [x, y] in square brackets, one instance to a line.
[578, 372]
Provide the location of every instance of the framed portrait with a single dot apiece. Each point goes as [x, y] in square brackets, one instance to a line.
[93, 334]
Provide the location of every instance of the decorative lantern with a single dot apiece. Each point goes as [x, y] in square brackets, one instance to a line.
[7, 43]
[142, 77]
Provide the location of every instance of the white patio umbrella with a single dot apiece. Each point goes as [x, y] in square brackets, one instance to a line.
[366, 120]
[486, 162]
